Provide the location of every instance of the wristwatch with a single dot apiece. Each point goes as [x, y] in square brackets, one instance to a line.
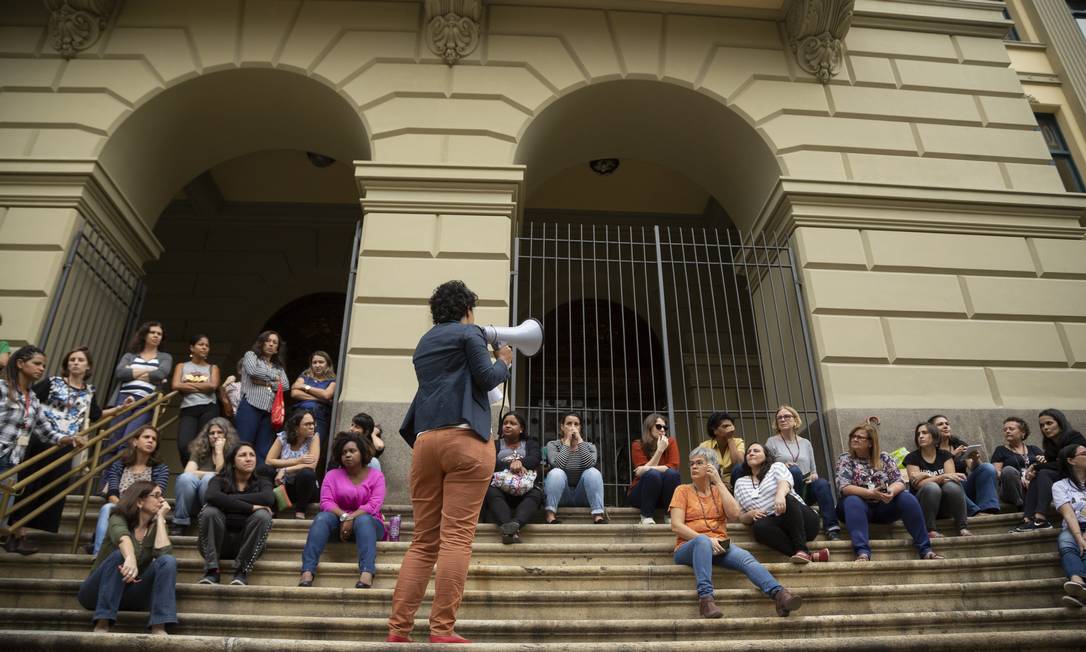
[343, 517]
[305, 387]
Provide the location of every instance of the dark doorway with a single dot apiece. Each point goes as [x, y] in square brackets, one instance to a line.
[307, 324]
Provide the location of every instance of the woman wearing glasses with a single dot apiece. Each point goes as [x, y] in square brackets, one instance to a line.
[798, 455]
[872, 491]
[135, 569]
[1069, 498]
[656, 468]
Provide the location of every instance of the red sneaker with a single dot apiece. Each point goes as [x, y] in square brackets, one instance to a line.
[396, 638]
[452, 638]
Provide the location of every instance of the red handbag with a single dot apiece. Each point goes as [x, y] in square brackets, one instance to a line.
[278, 409]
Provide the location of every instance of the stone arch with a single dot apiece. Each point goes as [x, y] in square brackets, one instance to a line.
[683, 129]
[200, 122]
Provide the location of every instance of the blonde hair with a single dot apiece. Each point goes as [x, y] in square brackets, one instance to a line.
[793, 412]
[873, 433]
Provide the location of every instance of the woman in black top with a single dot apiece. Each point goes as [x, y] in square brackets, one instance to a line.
[1045, 472]
[516, 456]
[935, 481]
[1012, 459]
[237, 518]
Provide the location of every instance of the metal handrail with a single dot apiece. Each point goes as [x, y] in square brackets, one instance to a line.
[153, 403]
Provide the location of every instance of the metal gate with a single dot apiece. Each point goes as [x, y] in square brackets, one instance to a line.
[97, 302]
[680, 321]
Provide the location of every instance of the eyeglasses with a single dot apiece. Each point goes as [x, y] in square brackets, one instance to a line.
[784, 417]
[697, 463]
[859, 438]
[660, 426]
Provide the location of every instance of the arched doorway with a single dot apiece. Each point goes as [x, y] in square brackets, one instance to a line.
[307, 324]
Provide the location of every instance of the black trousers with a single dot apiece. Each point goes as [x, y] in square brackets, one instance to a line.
[790, 532]
[505, 507]
[217, 540]
[192, 420]
[1039, 494]
[303, 490]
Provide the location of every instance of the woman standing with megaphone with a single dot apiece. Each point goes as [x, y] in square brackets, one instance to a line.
[448, 425]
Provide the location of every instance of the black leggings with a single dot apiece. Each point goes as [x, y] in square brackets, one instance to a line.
[303, 490]
[1039, 494]
[505, 508]
[192, 420]
[790, 532]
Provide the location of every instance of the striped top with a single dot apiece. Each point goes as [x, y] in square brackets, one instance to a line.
[131, 364]
[257, 395]
[761, 496]
[573, 462]
[117, 482]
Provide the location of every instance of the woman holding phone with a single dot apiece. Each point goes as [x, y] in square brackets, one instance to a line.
[980, 477]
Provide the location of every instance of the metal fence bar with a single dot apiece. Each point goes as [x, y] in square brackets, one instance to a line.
[669, 389]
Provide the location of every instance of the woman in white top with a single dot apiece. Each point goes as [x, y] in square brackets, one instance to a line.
[197, 380]
[1069, 499]
[798, 455]
[775, 512]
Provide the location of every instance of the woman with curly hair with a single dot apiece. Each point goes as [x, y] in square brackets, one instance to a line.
[207, 455]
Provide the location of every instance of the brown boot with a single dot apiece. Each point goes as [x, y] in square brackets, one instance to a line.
[708, 608]
[787, 602]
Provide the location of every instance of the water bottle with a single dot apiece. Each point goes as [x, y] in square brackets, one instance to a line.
[394, 528]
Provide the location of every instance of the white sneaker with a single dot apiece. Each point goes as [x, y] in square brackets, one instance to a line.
[647, 520]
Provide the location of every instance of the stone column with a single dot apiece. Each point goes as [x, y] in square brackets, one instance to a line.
[1066, 41]
[423, 225]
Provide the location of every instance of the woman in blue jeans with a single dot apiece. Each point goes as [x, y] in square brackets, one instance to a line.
[351, 499]
[655, 460]
[981, 490]
[1069, 499]
[699, 511]
[207, 456]
[135, 569]
[139, 463]
[261, 374]
[872, 491]
[573, 478]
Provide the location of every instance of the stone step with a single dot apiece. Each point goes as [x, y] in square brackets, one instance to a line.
[1010, 568]
[998, 638]
[284, 625]
[591, 604]
[552, 551]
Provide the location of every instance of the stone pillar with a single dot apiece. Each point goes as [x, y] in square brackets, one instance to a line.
[42, 204]
[1067, 43]
[423, 225]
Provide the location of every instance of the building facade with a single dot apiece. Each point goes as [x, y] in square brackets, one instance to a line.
[216, 155]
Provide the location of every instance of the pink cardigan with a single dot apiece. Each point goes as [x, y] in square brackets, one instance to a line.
[337, 490]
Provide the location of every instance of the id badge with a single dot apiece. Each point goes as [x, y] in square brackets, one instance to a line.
[23, 442]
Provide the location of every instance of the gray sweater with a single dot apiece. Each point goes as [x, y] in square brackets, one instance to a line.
[800, 452]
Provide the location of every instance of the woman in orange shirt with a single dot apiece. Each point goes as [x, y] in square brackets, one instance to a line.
[699, 511]
[655, 477]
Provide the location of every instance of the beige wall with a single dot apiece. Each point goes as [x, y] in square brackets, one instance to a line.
[985, 302]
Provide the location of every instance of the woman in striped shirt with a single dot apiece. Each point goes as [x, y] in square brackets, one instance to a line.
[261, 374]
[139, 463]
[777, 515]
[141, 371]
[573, 478]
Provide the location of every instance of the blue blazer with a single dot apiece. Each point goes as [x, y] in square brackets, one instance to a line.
[455, 371]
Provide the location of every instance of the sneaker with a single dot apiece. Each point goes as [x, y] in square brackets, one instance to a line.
[822, 555]
[210, 577]
[240, 579]
[833, 534]
[1068, 601]
[647, 520]
[800, 558]
[509, 532]
[1030, 526]
[1075, 590]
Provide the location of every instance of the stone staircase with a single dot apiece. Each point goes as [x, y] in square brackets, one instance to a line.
[580, 586]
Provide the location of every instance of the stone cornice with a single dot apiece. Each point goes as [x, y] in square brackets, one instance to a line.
[86, 187]
[845, 204]
[960, 17]
[76, 25]
[440, 188]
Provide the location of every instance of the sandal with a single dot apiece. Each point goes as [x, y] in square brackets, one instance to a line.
[554, 521]
[863, 557]
[601, 519]
[931, 554]
[306, 582]
[964, 533]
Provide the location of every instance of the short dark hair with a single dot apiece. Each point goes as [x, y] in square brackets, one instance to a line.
[714, 421]
[130, 455]
[197, 337]
[258, 348]
[451, 301]
[520, 420]
[769, 460]
[135, 345]
[364, 422]
[344, 438]
[1022, 425]
[1064, 460]
[11, 371]
[927, 425]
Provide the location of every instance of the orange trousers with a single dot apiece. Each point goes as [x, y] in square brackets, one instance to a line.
[450, 472]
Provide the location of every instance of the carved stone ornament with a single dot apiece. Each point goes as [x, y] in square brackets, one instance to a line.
[75, 25]
[452, 27]
[816, 29]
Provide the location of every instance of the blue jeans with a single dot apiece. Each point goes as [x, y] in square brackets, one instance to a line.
[981, 490]
[254, 426]
[1071, 558]
[102, 526]
[822, 493]
[698, 553]
[138, 422]
[367, 531]
[653, 490]
[189, 489]
[858, 514]
[105, 592]
[587, 493]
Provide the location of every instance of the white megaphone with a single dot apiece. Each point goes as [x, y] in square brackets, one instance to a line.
[527, 338]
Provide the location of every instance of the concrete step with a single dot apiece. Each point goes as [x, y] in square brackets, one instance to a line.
[1010, 568]
[591, 604]
[550, 550]
[285, 625]
[997, 638]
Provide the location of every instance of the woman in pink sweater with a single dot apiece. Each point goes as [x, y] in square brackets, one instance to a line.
[351, 499]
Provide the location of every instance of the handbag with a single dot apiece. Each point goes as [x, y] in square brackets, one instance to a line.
[278, 409]
[513, 484]
[282, 499]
